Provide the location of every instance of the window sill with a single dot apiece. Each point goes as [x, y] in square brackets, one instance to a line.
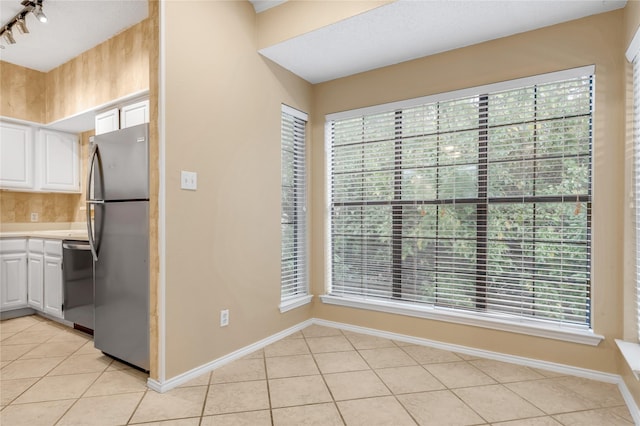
[631, 353]
[296, 302]
[567, 334]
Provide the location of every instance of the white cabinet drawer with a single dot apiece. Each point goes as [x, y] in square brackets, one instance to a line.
[36, 245]
[13, 245]
[53, 247]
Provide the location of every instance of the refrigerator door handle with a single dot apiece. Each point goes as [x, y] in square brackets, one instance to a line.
[92, 243]
[72, 246]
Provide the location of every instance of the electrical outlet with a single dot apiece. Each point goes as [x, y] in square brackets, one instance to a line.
[34, 217]
[224, 318]
[188, 180]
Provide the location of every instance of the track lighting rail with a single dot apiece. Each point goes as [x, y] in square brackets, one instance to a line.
[19, 20]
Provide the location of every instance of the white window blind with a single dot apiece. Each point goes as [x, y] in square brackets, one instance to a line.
[480, 203]
[294, 198]
[636, 137]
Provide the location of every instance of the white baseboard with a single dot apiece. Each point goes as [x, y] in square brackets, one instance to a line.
[513, 359]
[217, 363]
[630, 401]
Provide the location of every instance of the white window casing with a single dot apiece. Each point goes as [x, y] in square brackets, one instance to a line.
[293, 219]
[468, 206]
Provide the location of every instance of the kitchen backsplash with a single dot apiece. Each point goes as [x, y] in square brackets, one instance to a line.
[18, 206]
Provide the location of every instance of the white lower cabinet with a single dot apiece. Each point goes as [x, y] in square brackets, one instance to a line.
[53, 278]
[13, 274]
[53, 286]
[35, 275]
[31, 275]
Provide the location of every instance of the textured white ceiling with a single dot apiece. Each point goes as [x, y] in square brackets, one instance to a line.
[74, 26]
[410, 29]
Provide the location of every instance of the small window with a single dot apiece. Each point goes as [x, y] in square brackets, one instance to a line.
[293, 218]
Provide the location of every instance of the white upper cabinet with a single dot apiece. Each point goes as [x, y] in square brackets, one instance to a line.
[134, 114]
[16, 156]
[122, 117]
[50, 163]
[108, 121]
[59, 161]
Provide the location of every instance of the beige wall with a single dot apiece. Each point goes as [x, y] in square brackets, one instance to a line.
[595, 40]
[111, 70]
[23, 93]
[295, 18]
[223, 104]
[632, 20]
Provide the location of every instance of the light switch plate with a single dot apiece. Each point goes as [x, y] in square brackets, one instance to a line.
[188, 180]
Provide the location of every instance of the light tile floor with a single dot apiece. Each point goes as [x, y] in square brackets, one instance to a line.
[51, 375]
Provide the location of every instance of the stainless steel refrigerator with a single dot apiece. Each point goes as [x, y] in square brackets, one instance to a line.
[119, 239]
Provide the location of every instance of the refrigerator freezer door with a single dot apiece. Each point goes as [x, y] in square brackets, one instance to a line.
[122, 281]
[123, 159]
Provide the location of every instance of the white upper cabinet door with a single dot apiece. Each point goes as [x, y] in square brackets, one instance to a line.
[134, 114]
[16, 156]
[108, 121]
[60, 161]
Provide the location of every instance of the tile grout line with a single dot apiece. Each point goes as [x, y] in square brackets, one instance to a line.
[204, 403]
[266, 376]
[324, 380]
[133, 413]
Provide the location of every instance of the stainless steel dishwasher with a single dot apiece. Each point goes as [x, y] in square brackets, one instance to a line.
[77, 274]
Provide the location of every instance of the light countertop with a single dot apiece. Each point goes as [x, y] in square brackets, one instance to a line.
[69, 233]
[51, 235]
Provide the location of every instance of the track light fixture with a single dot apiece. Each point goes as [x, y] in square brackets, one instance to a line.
[8, 36]
[39, 13]
[19, 21]
[22, 25]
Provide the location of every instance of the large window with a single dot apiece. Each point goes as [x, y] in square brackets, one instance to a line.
[477, 201]
[293, 221]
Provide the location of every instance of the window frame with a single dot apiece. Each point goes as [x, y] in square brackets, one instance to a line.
[543, 328]
[301, 236]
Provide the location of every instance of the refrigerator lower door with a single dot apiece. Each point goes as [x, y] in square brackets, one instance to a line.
[122, 281]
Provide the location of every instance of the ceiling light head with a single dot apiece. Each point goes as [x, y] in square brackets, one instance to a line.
[8, 36]
[37, 11]
[22, 25]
